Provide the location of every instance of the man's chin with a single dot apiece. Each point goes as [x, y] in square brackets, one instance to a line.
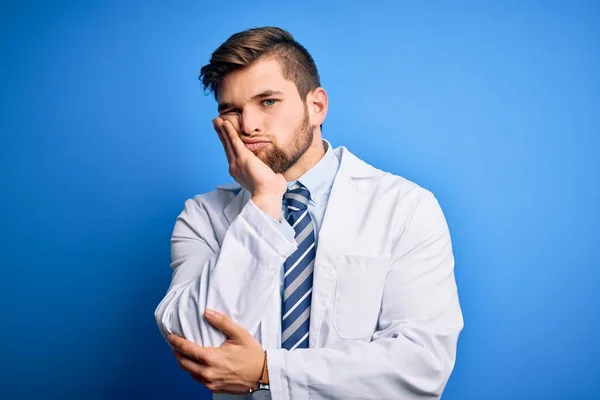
[263, 155]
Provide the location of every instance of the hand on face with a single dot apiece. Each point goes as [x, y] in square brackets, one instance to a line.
[234, 368]
[266, 187]
[245, 167]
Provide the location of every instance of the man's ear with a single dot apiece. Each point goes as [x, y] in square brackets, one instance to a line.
[317, 103]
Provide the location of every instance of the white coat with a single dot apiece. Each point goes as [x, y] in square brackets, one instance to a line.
[385, 314]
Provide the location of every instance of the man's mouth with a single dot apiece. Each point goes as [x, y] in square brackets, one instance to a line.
[255, 146]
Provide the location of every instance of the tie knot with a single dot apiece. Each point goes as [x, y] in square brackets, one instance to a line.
[297, 199]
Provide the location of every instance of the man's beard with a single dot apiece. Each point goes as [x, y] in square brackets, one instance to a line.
[279, 159]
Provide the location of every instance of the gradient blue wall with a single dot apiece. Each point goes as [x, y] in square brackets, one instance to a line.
[105, 132]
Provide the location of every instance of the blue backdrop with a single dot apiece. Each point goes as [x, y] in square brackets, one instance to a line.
[105, 132]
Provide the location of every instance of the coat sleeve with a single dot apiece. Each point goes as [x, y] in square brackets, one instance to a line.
[235, 278]
[412, 353]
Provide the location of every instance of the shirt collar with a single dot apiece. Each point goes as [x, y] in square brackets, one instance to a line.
[319, 179]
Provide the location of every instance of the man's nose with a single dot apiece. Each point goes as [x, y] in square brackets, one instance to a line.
[250, 123]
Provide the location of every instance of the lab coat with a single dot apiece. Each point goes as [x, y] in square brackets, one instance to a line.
[385, 314]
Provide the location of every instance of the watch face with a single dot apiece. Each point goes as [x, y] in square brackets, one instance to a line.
[261, 394]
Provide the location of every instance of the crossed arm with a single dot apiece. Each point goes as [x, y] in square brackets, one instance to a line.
[409, 357]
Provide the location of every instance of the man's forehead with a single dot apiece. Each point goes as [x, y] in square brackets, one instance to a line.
[250, 87]
[258, 73]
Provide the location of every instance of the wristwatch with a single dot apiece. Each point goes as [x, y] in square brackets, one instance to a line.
[263, 383]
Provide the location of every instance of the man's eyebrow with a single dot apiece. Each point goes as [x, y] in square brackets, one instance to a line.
[224, 106]
[266, 93]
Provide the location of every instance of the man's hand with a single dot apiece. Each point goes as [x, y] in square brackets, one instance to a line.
[266, 187]
[235, 367]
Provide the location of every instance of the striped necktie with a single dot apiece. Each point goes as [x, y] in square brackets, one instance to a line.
[298, 272]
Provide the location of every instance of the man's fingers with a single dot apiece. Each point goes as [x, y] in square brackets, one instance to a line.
[189, 349]
[199, 372]
[223, 323]
[225, 126]
[181, 356]
[218, 124]
[225, 150]
[238, 146]
[223, 137]
[191, 366]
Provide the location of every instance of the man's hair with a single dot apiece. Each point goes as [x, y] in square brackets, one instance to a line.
[247, 47]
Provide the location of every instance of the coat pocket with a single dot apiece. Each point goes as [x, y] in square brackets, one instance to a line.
[358, 291]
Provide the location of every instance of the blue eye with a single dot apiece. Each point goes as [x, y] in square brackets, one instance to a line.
[269, 102]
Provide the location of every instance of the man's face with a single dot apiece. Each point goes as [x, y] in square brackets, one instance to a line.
[268, 113]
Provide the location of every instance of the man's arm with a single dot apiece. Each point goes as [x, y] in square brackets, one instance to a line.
[412, 354]
[236, 279]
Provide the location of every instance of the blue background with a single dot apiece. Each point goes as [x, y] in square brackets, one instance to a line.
[105, 132]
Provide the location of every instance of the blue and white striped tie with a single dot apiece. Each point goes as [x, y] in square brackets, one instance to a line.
[298, 272]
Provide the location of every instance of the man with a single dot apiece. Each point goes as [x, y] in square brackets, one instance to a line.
[317, 276]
